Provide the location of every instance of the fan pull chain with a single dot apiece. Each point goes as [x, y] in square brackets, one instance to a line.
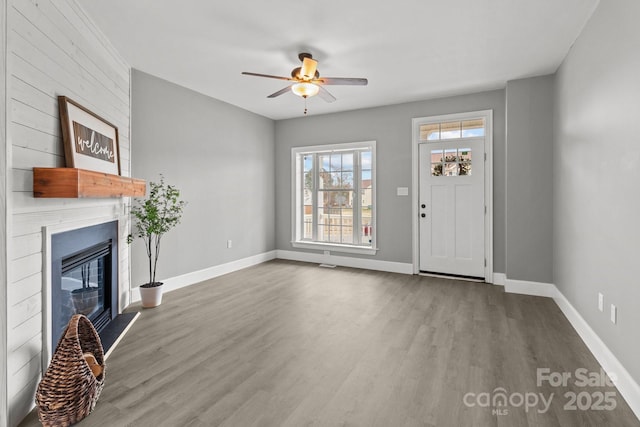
[305, 105]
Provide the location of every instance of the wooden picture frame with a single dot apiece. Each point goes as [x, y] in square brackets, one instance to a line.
[90, 142]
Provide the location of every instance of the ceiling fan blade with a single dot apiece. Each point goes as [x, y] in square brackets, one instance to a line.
[324, 94]
[280, 92]
[268, 76]
[308, 70]
[342, 81]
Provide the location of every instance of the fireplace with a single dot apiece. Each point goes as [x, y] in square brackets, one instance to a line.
[84, 277]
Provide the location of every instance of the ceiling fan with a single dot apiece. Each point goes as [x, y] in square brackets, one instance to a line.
[306, 80]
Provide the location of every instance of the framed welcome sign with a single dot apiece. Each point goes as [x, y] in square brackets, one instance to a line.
[90, 142]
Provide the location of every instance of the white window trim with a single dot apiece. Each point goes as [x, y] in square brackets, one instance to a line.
[296, 202]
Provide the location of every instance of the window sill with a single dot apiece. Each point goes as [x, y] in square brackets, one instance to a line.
[335, 248]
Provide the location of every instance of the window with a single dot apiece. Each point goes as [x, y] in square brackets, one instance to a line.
[452, 130]
[451, 162]
[334, 197]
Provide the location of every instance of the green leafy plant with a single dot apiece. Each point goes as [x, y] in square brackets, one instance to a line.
[154, 216]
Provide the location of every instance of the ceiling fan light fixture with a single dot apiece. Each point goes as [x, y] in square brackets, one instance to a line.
[305, 90]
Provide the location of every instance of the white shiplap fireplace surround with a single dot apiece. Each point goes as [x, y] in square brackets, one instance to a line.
[53, 48]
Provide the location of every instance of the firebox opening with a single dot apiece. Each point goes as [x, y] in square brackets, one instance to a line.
[84, 277]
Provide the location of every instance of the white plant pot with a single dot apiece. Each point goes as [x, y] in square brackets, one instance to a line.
[151, 297]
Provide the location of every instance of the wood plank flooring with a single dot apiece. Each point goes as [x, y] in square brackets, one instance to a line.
[291, 344]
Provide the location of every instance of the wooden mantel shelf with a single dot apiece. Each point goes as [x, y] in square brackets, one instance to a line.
[79, 183]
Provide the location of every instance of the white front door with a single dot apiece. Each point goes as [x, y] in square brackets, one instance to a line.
[451, 207]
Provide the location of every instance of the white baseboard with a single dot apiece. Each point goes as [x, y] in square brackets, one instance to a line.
[627, 386]
[530, 288]
[188, 279]
[368, 264]
[499, 279]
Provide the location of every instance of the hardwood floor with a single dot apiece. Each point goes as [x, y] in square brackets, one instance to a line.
[291, 344]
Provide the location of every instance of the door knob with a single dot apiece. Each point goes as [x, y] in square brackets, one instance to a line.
[423, 215]
[424, 206]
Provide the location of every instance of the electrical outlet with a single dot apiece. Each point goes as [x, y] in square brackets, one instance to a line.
[600, 301]
[614, 314]
[229, 244]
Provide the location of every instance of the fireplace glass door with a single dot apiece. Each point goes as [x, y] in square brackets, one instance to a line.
[84, 277]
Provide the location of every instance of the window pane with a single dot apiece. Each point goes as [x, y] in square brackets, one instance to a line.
[450, 169]
[322, 233]
[366, 179]
[430, 132]
[336, 180]
[464, 169]
[473, 128]
[336, 162]
[464, 154]
[347, 235]
[347, 162]
[366, 233]
[347, 180]
[450, 130]
[365, 160]
[436, 169]
[366, 200]
[324, 180]
[308, 181]
[307, 225]
[325, 162]
[450, 155]
[334, 234]
[436, 156]
[342, 198]
[307, 162]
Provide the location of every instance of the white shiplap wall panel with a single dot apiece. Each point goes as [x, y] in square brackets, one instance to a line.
[24, 310]
[26, 245]
[26, 137]
[24, 332]
[33, 97]
[22, 180]
[23, 355]
[33, 118]
[25, 267]
[5, 156]
[46, 16]
[64, 209]
[23, 376]
[55, 39]
[25, 288]
[23, 157]
[39, 48]
[35, 24]
[53, 49]
[25, 223]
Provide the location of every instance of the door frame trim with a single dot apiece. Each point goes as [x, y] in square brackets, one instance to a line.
[488, 183]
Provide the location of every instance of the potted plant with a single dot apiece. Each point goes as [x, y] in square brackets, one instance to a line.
[154, 216]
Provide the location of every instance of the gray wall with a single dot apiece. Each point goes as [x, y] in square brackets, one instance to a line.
[221, 158]
[390, 126]
[529, 183]
[596, 176]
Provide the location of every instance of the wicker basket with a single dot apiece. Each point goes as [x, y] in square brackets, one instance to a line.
[69, 390]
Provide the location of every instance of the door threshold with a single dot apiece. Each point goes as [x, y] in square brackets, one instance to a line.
[452, 276]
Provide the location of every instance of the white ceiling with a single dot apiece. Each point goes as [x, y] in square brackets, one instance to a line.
[408, 49]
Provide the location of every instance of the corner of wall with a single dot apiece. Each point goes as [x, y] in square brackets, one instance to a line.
[4, 167]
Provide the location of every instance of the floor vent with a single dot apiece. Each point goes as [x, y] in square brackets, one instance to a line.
[328, 265]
